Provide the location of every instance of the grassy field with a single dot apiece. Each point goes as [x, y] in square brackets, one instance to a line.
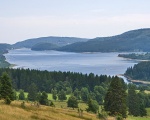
[59, 112]
[16, 112]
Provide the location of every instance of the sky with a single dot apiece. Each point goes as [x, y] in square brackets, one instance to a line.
[25, 19]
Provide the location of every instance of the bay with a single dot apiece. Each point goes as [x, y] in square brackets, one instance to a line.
[97, 63]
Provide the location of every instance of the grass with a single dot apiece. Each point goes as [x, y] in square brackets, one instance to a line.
[147, 92]
[59, 112]
[15, 112]
[141, 118]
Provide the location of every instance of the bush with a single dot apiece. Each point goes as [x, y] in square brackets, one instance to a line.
[23, 105]
[7, 100]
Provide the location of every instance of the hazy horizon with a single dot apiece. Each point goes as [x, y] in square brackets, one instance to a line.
[21, 20]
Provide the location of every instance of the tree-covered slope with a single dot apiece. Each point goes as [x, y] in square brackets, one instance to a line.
[135, 40]
[142, 56]
[140, 71]
[4, 49]
[59, 41]
[44, 46]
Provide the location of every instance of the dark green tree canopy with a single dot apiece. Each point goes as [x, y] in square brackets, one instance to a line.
[32, 92]
[62, 95]
[6, 90]
[72, 102]
[115, 99]
[93, 106]
[44, 98]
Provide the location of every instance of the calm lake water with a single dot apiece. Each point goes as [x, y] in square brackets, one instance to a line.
[97, 63]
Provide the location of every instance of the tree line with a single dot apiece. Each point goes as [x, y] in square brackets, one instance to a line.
[118, 99]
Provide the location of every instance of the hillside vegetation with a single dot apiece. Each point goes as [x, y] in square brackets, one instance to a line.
[142, 56]
[4, 49]
[140, 71]
[59, 41]
[16, 112]
[44, 46]
[135, 40]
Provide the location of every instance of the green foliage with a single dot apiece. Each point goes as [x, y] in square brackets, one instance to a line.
[140, 71]
[15, 97]
[142, 56]
[119, 117]
[103, 114]
[136, 102]
[72, 102]
[46, 81]
[44, 46]
[32, 92]
[77, 94]
[7, 100]
[92, 106]
[6, 90]
[99, 94]
[59, 41]
[62, 95]
[84, 94]
[136, 40]
[54, 94]
[44, 98]
[115, 99]
[21, 95]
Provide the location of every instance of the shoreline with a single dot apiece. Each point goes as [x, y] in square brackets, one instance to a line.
[136, 81]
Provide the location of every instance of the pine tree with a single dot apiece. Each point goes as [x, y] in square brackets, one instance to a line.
[115, 99]
[136, 102]
[32, 92]
[133, 101]
[6, 90]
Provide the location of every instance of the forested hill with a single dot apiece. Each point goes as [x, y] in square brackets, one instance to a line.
[135, 40]
[140, 71]
[44, 46]
[59, 41]
[4, 48]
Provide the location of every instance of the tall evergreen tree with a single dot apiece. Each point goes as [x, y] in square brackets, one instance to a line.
[6, 90]
[136, 102]
[133, 101]
[115, 99]
[32, 92]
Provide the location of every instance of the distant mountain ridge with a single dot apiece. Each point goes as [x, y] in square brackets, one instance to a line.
[44, 46]
[134, 40]
[59, 41]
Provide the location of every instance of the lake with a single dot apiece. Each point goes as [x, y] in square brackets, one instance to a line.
[97, 63]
